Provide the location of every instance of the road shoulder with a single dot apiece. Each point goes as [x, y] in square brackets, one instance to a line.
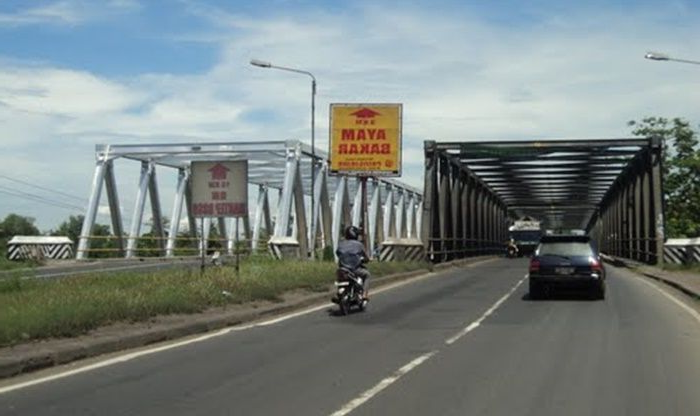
[686, 282]
[32, 356]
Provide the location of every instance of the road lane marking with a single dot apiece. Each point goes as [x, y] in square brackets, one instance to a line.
[110, 361]
[675, 300]
[367, 395]
[472, 326]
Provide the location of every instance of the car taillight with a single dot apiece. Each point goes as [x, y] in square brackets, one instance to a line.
[534, 265]
[595, 264]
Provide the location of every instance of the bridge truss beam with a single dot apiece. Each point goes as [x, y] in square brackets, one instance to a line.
[608, 188]
[462, 216]
[630, 220]
[293, 228]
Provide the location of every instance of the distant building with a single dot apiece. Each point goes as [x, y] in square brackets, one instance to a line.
[39, 247]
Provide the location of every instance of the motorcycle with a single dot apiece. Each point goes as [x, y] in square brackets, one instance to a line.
[349, 291]
[512, 252]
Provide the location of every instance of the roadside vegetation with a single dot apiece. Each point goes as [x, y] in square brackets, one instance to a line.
[12, 225]
[37, 309]
[681, 172]
[687, 268]
[6, 264]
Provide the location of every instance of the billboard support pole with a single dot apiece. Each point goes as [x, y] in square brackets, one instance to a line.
[237, 247]
[365, 240]
[201, 248]
[201, 244]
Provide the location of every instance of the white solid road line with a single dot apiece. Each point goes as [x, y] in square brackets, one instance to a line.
[111, 361]
[355, 403]
[472, 326]
[367, 395]
[674, 299]
[205, 337]
[137, 354]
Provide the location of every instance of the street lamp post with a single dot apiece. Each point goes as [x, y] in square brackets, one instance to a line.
[265, 64]
[658, 56]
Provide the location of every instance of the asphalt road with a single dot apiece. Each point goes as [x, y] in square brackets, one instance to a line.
[464, 342]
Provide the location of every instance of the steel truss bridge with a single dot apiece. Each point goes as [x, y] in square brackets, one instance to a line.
[284, 167]
[610, 188]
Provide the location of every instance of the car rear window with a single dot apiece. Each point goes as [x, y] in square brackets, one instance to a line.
[569, 248]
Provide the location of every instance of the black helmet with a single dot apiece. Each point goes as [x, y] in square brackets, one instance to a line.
[352, 233]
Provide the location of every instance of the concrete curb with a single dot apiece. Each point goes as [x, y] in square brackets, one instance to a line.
[679, 286]
[45, 355]
[675, 284]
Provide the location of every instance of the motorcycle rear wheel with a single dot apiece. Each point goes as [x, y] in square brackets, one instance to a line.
[344, 305]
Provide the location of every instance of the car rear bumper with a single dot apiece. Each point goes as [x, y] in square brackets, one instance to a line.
[571, 281]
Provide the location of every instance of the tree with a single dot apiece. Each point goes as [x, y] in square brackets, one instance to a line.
[70, 228]
[102, 246]
[149, 244]
[681, 172]
[15, 224]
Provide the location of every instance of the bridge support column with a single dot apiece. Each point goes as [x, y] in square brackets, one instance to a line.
[136, 220]
[657, 198]
[114, 207]
[91, 215]
[464, 206]
[456, 217]
[647, 219]
[176, 213]
[638, 216]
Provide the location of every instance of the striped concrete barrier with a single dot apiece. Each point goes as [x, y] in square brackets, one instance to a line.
[402, 249]
[682, 250]
[39, 247]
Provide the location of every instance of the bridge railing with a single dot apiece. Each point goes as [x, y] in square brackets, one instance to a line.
[440, 250]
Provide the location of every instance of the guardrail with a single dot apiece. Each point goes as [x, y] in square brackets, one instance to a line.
[448, 249]
[151, 246]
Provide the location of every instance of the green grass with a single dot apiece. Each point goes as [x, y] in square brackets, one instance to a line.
[692, 268]
[6, 264]
[37, 309]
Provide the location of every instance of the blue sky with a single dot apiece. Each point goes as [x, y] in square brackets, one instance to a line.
[75, 73]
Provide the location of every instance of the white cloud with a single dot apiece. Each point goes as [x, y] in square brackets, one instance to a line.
[63, 93]
[67, 12]
[103, 210]
[62, 12]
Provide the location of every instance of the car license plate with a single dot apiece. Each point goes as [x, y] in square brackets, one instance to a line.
[564, 270]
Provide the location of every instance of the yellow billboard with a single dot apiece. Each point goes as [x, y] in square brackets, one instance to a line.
[365, 139]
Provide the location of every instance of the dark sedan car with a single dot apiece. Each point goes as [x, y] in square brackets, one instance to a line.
[563, 261]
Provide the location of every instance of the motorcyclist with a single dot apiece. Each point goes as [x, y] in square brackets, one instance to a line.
[352, 256]
[512, 247]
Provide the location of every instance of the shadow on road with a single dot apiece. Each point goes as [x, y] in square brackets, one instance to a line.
[562, 295]
[335, 311]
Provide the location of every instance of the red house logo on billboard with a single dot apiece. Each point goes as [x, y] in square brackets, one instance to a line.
[219, 172]
[365, 116]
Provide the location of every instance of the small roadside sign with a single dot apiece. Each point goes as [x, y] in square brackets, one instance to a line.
[220, 189]
[365, 139]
